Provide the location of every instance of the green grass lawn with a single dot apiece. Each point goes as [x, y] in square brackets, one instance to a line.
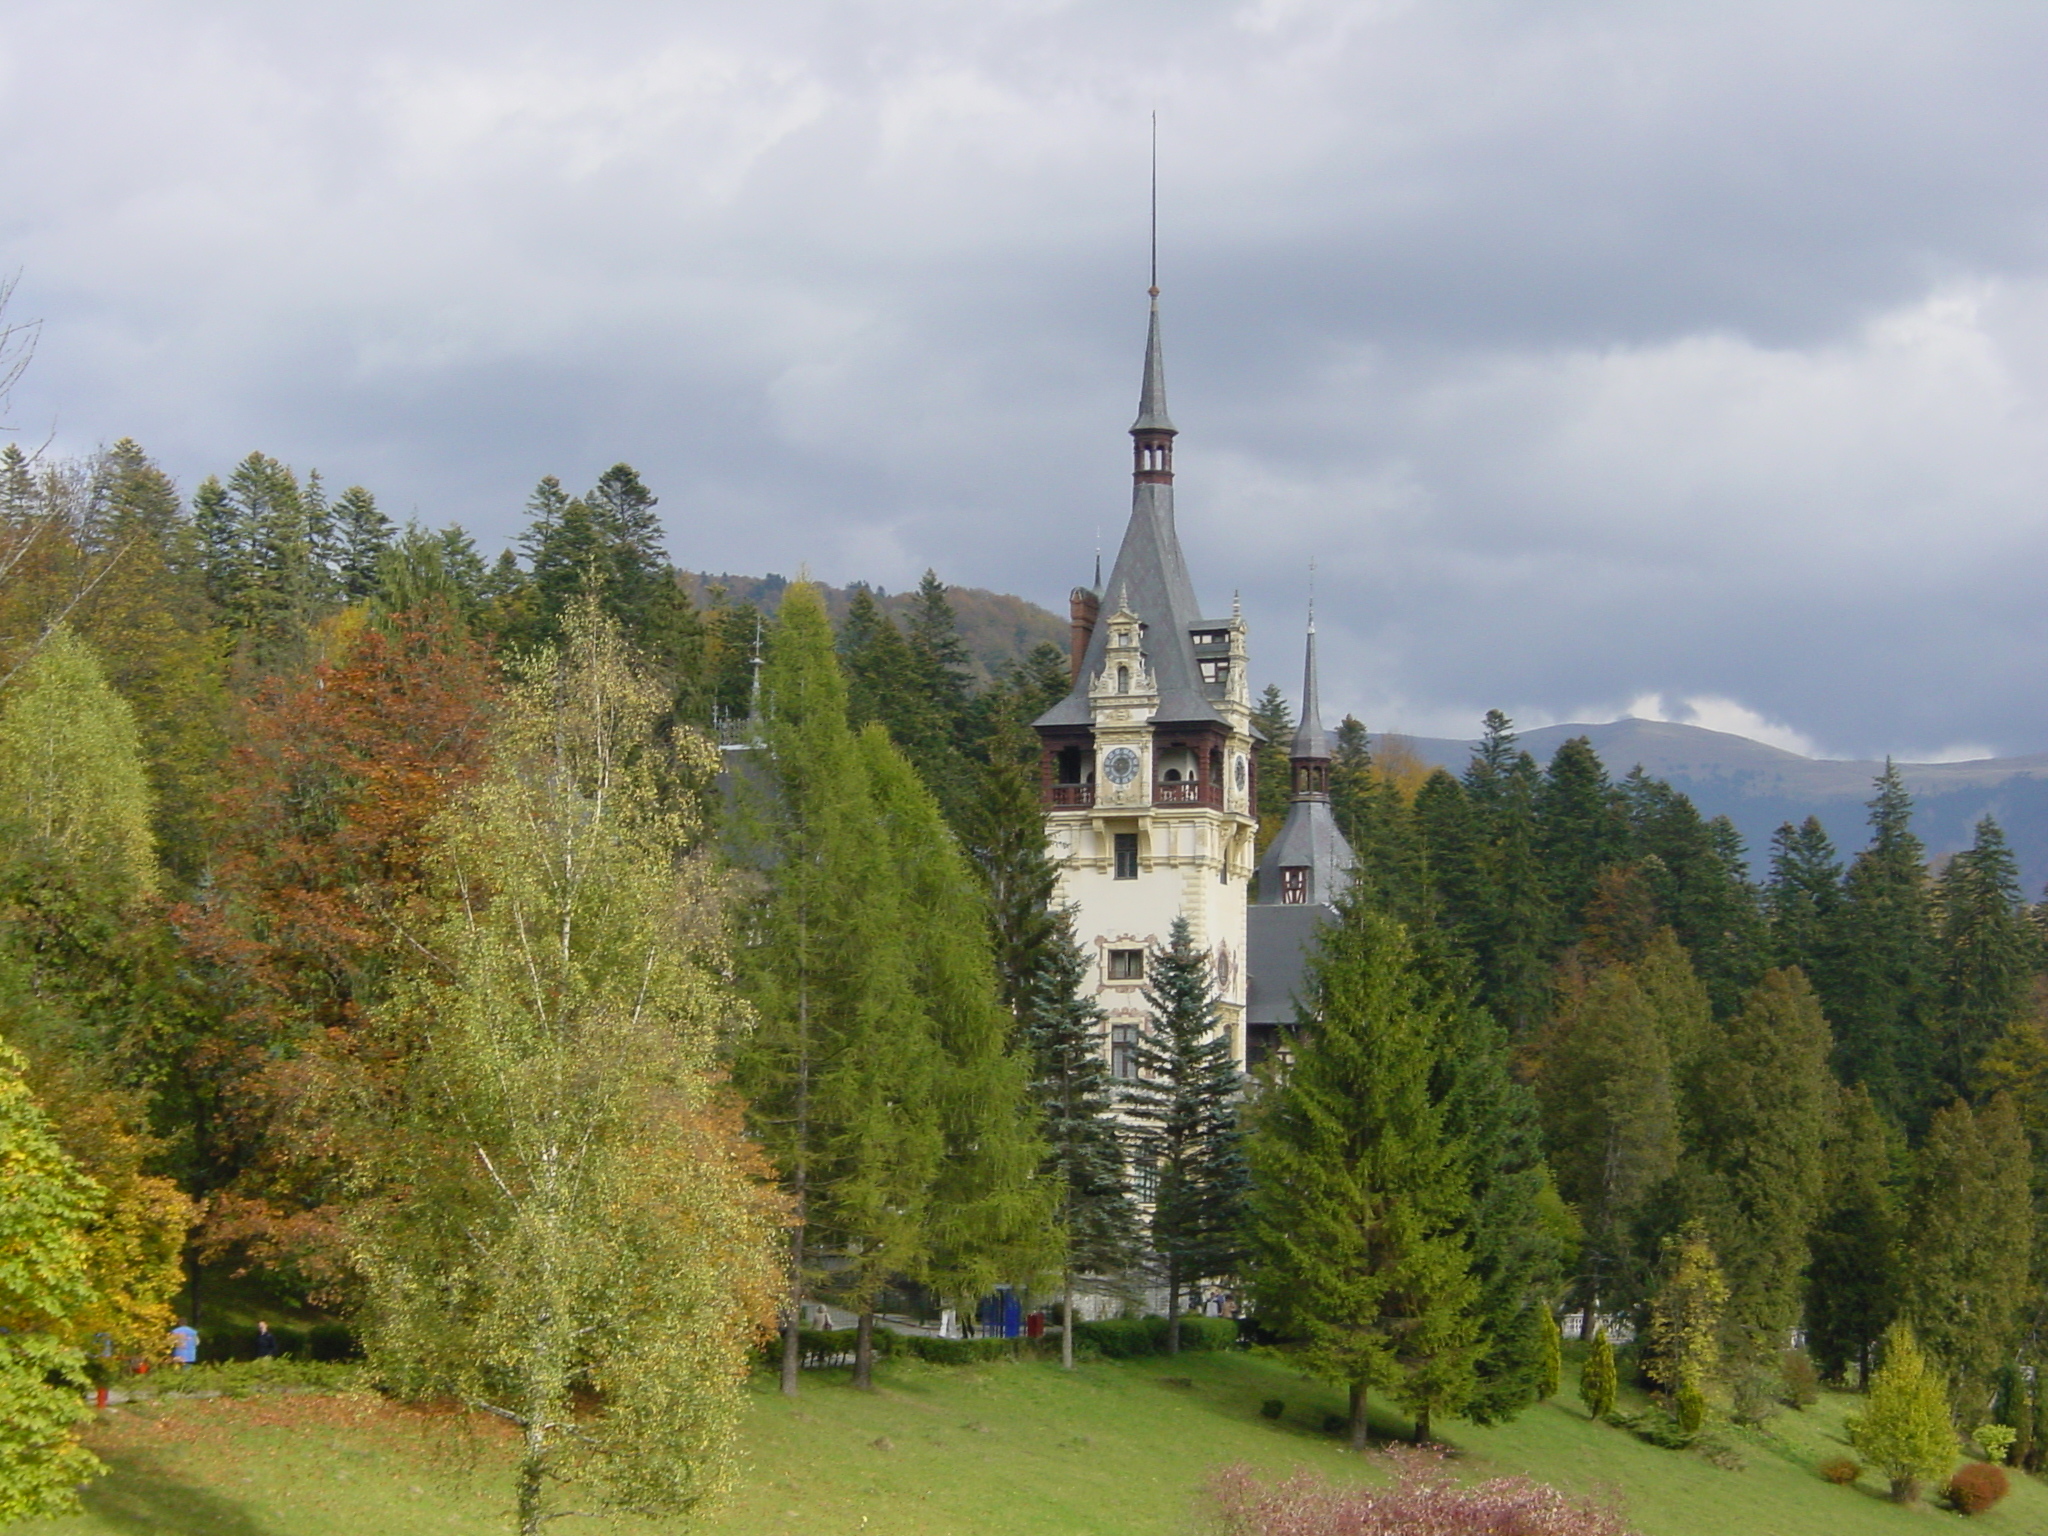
[1023, 1448]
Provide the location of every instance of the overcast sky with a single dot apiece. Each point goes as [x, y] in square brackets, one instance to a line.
[1683, 360]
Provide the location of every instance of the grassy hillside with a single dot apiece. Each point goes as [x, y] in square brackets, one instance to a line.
[1024, 1449]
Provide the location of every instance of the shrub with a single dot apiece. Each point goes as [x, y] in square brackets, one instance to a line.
[1757, 1397]
[1336, 1424]
[1904, 1427]
[1122, 1338]
[1840, 1471]
[1802, 1381]
[1994, 1440]
[1421, 1496]
[1596, 1377]
[957, 1351]
[1272, 1408]
[1976, 1486]
[1691, 1404]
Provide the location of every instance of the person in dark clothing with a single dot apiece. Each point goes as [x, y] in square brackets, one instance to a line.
[266, 1342]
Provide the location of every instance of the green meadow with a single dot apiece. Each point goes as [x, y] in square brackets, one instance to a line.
[1115, 1449]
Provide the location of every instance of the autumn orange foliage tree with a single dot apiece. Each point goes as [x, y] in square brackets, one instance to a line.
[325, 826]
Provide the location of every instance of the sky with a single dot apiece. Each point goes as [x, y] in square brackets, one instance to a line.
[1681, 360]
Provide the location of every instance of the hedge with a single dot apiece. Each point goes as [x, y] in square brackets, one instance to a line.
[321, 1341]
[1122, 1338]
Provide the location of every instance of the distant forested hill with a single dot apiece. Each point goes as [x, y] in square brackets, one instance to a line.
[995, 627]
[1761, 787]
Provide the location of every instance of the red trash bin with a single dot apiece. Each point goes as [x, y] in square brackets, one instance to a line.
[1034, 1326]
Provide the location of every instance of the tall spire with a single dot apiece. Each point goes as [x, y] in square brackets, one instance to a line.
[1309, 742]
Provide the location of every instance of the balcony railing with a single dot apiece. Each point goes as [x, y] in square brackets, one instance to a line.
[1187, 792]
[1072, 796]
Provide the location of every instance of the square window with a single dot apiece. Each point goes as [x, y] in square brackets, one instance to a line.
[1294, 885]
[1127, 965]
[1126, 855]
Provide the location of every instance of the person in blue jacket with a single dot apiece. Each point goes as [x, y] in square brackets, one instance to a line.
[185, 1344]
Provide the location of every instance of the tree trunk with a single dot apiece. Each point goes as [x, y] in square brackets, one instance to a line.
[1422, 1426]
[1361, 1438]
[1172, 1307]
[792, 1345]
[864, 1351]
[1067, 1322]
[532, 1480]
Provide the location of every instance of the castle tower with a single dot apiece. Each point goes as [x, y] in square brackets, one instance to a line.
[1146, 766]
[1306, 871]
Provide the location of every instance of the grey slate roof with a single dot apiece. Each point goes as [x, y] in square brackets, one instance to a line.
[1278, 943]
[1309, 740]
[1152, 415]
[1308, 839]
[1152, 576]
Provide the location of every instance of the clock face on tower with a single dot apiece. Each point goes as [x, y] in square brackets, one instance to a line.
[1120, 765]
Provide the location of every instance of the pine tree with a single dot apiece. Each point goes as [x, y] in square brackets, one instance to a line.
[1904, 1428]
[1360, 1199]
[1989, 951]
[1966, 1287]
[1696, 871]
[1852, 1286]
[1887, 960]
[1077, 1102]
[1507, 912]
[1183, 1101]
[1763, 1115]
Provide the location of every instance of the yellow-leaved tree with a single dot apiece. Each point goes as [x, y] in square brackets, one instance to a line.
[563, 1224]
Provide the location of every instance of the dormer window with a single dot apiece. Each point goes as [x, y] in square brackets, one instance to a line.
[1294, 885]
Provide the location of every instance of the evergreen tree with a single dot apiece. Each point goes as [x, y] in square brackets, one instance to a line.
[1005, 836]
[1887, 960]
[1579, 831]
[1598, 1380]
[1852, 1288]
[282, 585]
[1763, 1119]
[1360, 1197]
[940, 661]
[364, 533]
[1966, 1287]
[1610, 1114]
[1506, 910]
[1801, 900]
[839, 1077]
[1273, 723]
[1183, 1101]
[1695, 869]
[1077, 1102]
[1989, 954]
[223, 544]
[1378, 824]
[1904, 1427]
[1513, 1246]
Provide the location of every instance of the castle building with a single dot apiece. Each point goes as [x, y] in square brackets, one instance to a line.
[1146, 766]
[1306, 871]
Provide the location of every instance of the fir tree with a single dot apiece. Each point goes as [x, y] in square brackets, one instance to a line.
[1763, 1117]
[1273, 721]
[1005, 836]
[1886, 960]
[1695, 869]
[1077, 1104]
[1507, 911]
[1852, 1287]
[1360, 1199]
[1183, 1101]
[1989, 954]
[1579, 831]
[365, 533]
[1801, 899]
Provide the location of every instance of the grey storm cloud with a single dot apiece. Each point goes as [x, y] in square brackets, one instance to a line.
[1684, 359]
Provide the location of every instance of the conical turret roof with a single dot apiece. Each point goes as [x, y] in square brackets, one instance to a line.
[1152, 415]
[1309, 740]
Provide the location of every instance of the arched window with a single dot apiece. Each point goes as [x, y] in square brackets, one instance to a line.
[1123, 679]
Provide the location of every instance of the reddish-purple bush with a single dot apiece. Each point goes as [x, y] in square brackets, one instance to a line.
[1840, 1470]
[1976, 1486]
[1422, 1500]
